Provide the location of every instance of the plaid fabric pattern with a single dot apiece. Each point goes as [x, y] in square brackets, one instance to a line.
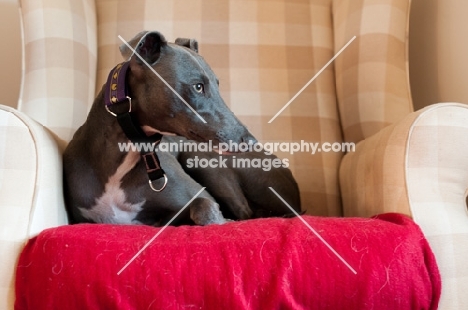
[263, 52]
[411, 168]
[373, 178]
[10, 35]
[437, 178]
[30, 190]
[60, 63]
[372, 78]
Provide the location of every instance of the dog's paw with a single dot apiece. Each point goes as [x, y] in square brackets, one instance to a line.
[204, 211]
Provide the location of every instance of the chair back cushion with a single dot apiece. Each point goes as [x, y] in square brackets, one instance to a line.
[60, 63]
[264, 53]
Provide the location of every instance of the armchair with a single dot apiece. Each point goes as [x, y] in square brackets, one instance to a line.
[408, 162]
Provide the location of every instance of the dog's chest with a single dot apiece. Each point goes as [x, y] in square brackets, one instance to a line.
[112, 206]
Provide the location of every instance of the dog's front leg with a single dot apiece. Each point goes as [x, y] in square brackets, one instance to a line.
[204, 211]
[181, 188]
[223, 183]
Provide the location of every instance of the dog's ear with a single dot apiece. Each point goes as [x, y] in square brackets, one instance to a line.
[146, 44]
[125, 50]
[190, 43]
[149, 47]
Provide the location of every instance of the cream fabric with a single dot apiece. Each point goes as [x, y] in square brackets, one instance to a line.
[437, 177]
[30, 190]
[60, 63]
[419, 166]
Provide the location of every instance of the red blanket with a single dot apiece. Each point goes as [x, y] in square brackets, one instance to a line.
[256, 264]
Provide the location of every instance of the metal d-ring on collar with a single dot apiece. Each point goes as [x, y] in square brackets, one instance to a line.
[129, 107]
[116, 91]
[162, 188]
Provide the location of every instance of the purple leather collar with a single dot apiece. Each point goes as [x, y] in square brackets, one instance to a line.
[116, 89]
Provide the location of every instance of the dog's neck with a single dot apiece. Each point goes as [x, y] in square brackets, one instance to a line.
[119, 100]
[114, 95]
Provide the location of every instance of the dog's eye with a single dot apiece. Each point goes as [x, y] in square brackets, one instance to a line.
[198, 87]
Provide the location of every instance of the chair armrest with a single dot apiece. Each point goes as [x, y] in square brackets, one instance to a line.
[419, 166]
[31, 190]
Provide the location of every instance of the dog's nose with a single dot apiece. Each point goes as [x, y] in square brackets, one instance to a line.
[249, 137]
[237, 136]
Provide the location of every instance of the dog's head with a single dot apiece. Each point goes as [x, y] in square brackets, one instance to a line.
[203, 116]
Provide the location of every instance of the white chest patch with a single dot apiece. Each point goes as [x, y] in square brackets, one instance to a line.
[112, 206]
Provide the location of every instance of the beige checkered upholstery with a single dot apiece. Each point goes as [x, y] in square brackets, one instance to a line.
[372, 76]
[437, 178]
[419, 166]
[263, 52]
[31, 197]
[60, 63]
